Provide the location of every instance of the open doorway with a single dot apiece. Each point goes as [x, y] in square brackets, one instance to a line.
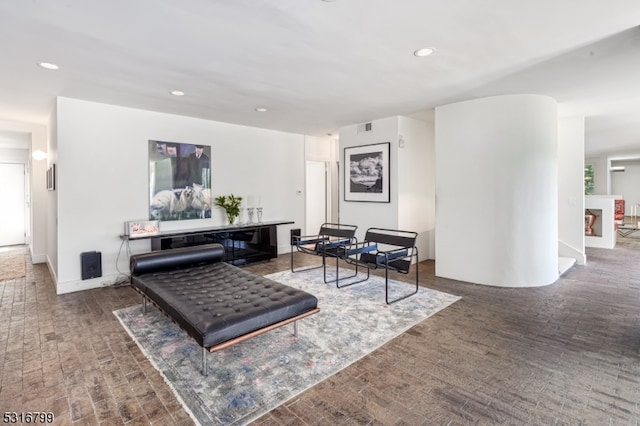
[317, 201]
[321, 183]
[624, 174]
[13, 214]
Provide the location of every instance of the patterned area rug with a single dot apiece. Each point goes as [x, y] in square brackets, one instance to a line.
[250, 378]
[12, 267]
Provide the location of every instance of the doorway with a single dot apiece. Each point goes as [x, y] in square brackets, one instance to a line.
[316, 196]
[13, 213]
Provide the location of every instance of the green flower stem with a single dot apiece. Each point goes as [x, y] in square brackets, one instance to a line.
[231, 205]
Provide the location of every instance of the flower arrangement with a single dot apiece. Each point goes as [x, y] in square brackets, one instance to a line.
[231, 205]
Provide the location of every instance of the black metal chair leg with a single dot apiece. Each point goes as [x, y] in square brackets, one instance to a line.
[338, 279]
[386, 285]
[302, 269]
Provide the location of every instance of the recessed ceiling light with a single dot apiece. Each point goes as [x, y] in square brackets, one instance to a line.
[48, 65]
[424, 52]
[261, 109]
[177, 93]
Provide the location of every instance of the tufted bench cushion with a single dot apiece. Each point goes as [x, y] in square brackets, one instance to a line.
[211, 300]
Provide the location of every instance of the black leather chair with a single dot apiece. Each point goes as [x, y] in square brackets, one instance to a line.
[388, 249]
[324, 244]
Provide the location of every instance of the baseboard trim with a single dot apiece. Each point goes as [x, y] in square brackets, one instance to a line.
[81, 285]
[40, 258]
[566, 250]
[564, 264]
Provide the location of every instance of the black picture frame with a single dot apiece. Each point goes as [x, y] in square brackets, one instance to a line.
[367, 174]
[51, 178]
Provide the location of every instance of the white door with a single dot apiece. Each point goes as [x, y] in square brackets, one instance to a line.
[316, 200]
[12, 213]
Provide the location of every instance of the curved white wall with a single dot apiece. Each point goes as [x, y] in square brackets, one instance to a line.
[497, 191]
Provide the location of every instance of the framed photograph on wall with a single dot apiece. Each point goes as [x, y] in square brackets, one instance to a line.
[51, 178]
[179, 181]
[366, 173]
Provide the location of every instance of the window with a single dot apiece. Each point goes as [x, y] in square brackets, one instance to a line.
[589, 179]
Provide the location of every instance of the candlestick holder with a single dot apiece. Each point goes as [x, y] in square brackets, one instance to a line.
[250, 215]
[259, 212]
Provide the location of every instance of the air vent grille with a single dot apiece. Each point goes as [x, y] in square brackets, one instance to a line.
[365, 127]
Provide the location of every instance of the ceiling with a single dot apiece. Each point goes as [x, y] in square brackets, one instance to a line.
[318, 65]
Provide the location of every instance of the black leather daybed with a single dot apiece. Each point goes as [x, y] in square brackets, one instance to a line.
[216, 303]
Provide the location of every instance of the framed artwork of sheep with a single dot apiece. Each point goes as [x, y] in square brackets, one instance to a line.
[179, 181]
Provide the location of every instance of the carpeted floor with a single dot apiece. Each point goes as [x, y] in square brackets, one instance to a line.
[255, 376]
[12, 267]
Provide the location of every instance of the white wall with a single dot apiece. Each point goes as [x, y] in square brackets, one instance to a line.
[411, 176]
[601, 174]
[416, 182]
[364, 214]
[571, 189]
[497, 191]
[319, 148]
[617, 183]
[627, 184]
[14, 156]
[51, 196]
[102, 161]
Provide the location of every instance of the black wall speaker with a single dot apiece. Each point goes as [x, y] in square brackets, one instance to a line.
[294, 233]
[91, 264]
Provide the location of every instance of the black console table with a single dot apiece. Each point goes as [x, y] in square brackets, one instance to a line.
[242, 243]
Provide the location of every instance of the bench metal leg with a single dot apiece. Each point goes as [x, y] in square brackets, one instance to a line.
[205, 351]
[252, 334]
[205, 370]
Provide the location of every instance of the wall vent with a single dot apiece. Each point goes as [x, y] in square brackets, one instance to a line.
[365, 127]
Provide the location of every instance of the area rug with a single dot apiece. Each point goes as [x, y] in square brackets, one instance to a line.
[253, 377]
[12, 267]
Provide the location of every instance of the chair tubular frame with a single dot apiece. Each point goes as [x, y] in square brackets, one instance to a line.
[398, 255]
[325, 244]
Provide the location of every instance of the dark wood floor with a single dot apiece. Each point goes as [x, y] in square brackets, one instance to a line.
[567, 353]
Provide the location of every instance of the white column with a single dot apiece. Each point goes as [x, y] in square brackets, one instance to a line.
[497, 191]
